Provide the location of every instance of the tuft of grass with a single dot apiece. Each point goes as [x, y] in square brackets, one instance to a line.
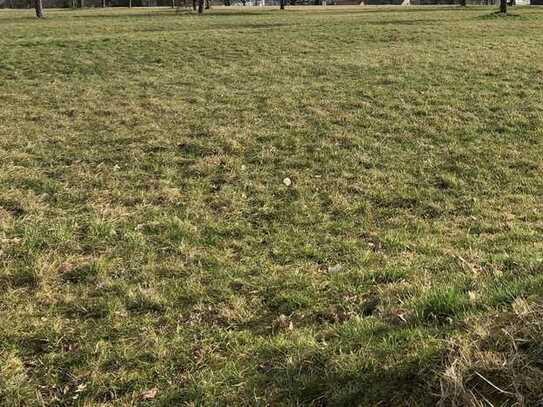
[440, 304]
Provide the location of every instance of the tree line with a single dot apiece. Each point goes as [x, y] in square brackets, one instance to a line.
[201, 5]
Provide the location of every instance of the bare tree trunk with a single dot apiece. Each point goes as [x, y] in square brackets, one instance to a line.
[503, 6]
[200, 6]
[39, 8]
[194, 5]
[129, 3]
[207, 4]
[103, 3]
[463, 3]
[281, 4]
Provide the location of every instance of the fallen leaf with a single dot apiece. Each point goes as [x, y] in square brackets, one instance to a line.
[283, 322]
[400, 314]
[150, 394]
[81, 388]
[66, 267]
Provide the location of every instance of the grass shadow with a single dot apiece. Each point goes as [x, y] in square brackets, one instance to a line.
[404, 22]
[496, 15]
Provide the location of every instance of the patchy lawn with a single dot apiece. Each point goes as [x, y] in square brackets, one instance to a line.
[152, 252]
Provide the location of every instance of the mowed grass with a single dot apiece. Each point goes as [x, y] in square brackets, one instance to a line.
[150, 252]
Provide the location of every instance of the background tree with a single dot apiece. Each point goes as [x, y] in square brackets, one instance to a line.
[282, 4]
[503, 6]
[39, 8]
[200, 6]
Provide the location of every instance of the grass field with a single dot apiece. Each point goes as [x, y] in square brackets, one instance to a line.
[151, 252]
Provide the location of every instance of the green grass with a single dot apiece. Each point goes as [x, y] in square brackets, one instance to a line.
[150, 252]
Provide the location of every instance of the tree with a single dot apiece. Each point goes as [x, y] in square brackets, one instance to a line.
[503, 6]
[463, 3]
[39, 8]
[282, 4]
[200, 6]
